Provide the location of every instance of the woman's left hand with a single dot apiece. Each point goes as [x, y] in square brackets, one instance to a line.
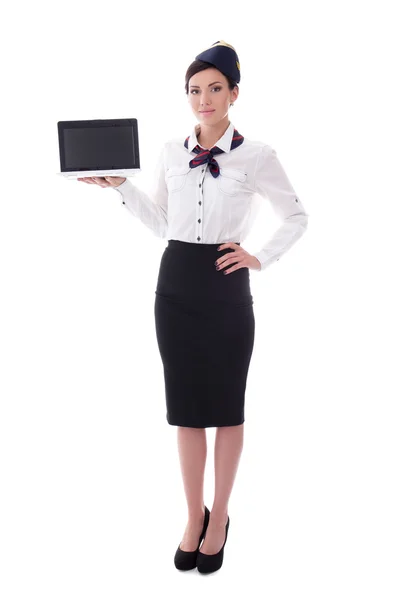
[239, 256]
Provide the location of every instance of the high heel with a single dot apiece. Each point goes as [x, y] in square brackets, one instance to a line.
[184, 561]
[208, 563]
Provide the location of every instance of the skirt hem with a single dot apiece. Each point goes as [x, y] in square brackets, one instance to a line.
[174, 424]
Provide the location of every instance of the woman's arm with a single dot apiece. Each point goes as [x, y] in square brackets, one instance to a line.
[152, 209]
[272, 183]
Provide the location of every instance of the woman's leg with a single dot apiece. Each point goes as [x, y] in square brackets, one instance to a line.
[228, 449]
[192, 445]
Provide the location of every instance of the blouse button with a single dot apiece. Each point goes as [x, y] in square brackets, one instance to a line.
[199, 220]
[198, 239]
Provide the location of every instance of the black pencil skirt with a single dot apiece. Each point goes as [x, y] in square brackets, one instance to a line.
[205, 333]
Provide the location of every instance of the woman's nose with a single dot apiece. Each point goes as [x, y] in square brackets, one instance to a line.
[204, 99]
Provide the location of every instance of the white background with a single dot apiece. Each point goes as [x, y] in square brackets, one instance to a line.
[92, 503]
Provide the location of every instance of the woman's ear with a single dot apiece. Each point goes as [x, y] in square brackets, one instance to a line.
[235, 94]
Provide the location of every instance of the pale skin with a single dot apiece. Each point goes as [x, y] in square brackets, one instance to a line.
[208, 89]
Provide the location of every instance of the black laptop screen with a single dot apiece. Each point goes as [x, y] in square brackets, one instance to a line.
[98, 147]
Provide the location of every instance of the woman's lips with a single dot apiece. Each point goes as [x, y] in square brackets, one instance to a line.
[206, 112]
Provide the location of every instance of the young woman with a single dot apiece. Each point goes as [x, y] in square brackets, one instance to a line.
[204, 203]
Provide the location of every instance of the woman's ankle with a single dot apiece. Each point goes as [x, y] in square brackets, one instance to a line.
[196, 514]
[219, 515]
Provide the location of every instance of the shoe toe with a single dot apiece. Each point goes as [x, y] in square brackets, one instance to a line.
[207, 563]
[184, 561]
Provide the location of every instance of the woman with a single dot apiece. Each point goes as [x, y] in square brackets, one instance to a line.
[204, 203]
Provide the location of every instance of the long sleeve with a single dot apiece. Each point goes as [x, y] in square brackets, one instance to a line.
[151, 210]
[272, 183]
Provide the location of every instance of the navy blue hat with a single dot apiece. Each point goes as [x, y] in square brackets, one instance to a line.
[224, 58]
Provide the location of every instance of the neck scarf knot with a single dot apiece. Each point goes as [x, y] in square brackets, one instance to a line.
[207, 156]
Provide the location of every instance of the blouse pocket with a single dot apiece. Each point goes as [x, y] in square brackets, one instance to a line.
[176, 177]
[231, 181]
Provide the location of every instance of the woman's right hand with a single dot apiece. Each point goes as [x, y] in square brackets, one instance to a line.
[103, 181]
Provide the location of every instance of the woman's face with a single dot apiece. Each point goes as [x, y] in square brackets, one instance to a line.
[209, 95]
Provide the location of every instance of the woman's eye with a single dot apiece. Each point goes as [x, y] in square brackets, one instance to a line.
[216, 88]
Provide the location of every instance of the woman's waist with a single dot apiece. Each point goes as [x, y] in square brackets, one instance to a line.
[192, 274]
[181, 245]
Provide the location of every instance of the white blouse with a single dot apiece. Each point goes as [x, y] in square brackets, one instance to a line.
[193, 206]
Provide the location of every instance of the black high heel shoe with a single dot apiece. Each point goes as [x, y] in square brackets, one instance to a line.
[184, 561]
[208, 563]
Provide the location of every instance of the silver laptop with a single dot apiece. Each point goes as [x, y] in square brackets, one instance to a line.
[98, 147]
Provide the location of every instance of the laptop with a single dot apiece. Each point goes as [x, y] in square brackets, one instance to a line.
[98, 147]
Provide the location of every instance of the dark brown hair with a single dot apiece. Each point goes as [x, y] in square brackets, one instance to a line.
[200, 65]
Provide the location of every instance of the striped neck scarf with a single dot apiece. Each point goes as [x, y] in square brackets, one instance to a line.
[207, 156]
